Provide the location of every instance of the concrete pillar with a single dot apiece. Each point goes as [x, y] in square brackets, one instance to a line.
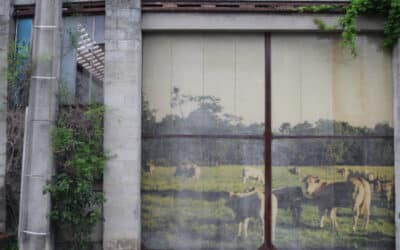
[122, 125]
[34, 225]
[4, 39]
[396, 118]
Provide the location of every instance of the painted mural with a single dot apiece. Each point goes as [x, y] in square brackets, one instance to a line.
[203, 146]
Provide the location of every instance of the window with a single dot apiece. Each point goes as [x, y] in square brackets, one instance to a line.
[82, 73]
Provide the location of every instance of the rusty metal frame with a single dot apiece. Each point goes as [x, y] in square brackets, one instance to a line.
[69, 9]
[237, 6]
[98, 7]
[268, 148]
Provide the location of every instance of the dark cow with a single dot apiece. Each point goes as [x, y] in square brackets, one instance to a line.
[294, 171]
[354, 193]
[189, 170]
[290, 198]
[251, 204]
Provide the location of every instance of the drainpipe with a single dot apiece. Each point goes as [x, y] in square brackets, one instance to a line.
[34, 224]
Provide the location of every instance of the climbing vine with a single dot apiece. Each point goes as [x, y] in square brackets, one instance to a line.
[77, 143]
[389, 10]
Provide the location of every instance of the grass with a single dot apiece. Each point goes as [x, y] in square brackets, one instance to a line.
[180, 213]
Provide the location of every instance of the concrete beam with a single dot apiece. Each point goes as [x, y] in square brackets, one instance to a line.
[122, 124]
[34, 224]
[396, 118]
[159, 21]
[4, 38]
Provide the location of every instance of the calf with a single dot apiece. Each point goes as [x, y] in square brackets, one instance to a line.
[194, 172]
[387, 192]
[252, 173]
[290, 198]
[353, 193]
[149, 167]
[245, 206]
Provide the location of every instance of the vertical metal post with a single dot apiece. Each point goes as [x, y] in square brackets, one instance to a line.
[396, 126]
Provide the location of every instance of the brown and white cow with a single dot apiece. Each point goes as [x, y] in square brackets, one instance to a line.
[354, 193]
[367, 176]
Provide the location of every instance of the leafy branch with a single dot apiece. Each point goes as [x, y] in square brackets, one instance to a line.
[389, 10]
[80, 160]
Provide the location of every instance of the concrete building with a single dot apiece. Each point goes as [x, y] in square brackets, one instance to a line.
[225, 86]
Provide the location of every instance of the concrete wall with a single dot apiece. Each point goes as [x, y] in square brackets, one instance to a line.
[201, 21]
[122, 125]
[4, 38]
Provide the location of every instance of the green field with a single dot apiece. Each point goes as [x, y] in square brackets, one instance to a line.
[180, 213]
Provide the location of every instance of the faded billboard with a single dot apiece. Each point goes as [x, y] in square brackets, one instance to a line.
[203, 146]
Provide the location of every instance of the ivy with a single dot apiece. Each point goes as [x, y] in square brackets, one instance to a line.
[389, 10]
[77, 144]
[319, 8]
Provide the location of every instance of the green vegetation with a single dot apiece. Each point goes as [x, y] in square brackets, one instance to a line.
[172, 220]
[389, 10]
[80, 160]
[17, 74]
[319, 8]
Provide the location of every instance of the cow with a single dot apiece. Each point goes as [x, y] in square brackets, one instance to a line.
[348, 173]
[387, 191]
[149, 167]
[294, 171]
[355, 193]
[189, 170]
[251, 205]
[290, 198]
[195, 172]
[252, 173]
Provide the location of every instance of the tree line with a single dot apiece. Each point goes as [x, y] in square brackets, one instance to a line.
[208, 118]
